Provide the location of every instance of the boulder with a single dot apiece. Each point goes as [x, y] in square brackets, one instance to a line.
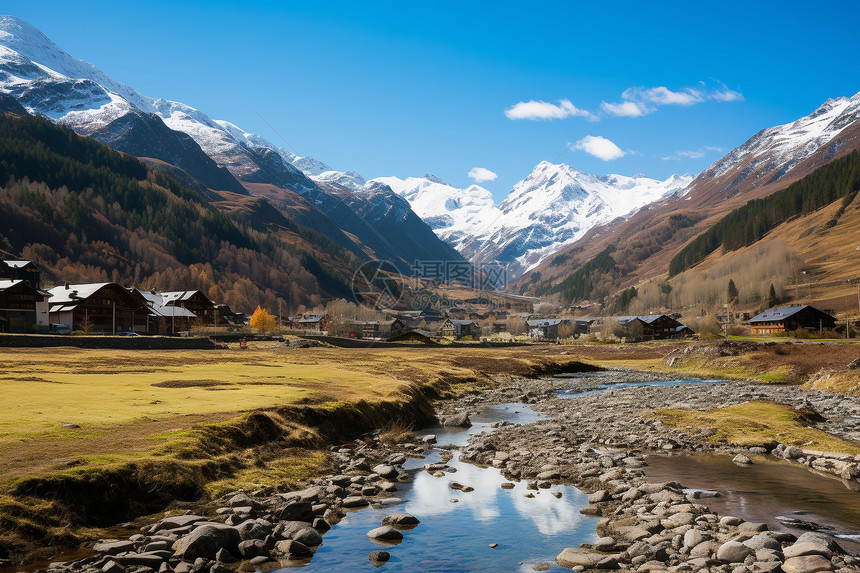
[293, 548]
[385, 533]
[742, 460]
[458, 420]
[113, 547]
[792, 453]
[378, 558]
[733, 552]
[253, 548]
[399, 519]
[807, 564]
[355, 501]
[575, 557]
[206, 540]
[386, 471]
[802, 548]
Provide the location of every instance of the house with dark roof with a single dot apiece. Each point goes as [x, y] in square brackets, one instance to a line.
[788, 318]
[21, 270]
[161, 318]
[457, 329]
[194, 301]
[314, 322]
[23, 308]
[652, 327]
[107, 308]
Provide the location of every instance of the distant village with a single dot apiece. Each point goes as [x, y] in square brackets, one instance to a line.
[111, 309]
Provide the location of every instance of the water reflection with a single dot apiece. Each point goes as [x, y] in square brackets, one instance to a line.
[455, 537]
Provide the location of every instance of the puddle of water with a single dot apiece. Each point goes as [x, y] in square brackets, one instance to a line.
[765, 490]
[455, 537]
[573, 392]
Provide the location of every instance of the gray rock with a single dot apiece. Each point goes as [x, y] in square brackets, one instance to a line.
[599, 496]
[177, 521]
[296, 511]
[572, 557]
[730, 521]
[355, 501]
[225, 556]
[378, 558]
[742, 460]
[762, 541]
[807, 548]
[429, 439]
[400, 519]
[693, 537]
[253, 548]
[293, 548]
[792, 453]
[458, 420]
[807, 564]
[206, 540]
[385, 533]
[113, 567]
[733, 552]
[307, 536]
[386, 471]
[113, 547]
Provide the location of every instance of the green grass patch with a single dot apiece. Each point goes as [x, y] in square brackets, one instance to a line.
[757, 423]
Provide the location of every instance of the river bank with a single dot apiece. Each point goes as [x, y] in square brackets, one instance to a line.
[595, 441]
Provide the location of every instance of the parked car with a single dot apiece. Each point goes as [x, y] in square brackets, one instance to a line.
[59, 328]
[129, 333]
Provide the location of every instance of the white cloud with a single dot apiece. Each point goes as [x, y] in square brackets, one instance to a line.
[479, 175]
[693, 153]
[624, 109]
[545, 110]
[599, 147]
[639, 101]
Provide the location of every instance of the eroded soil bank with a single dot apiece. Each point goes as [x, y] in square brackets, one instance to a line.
[596, 441]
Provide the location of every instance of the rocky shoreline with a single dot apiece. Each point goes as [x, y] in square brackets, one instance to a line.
[594, 441]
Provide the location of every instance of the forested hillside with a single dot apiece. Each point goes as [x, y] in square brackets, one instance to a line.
[744, 226]
[84, 213]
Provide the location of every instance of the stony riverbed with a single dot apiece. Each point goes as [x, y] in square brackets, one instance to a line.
[595, 441]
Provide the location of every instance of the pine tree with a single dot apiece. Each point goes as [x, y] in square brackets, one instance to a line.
[772, 299]
[732, 292]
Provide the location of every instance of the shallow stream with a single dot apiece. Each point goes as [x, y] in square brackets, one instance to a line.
[456, 536]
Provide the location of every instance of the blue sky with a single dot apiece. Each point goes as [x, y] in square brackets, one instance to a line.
[407, 88]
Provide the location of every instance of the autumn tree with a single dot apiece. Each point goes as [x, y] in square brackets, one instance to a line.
[263, 321]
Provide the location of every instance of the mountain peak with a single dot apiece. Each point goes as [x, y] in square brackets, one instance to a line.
[433, 179]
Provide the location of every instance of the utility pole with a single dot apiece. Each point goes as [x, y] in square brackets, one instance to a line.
[280, 325]
[113, 305]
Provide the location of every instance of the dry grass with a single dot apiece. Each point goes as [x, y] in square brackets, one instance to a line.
[757, 423]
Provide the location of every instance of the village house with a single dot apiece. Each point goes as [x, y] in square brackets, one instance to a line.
[194, 301]
[375, 329]
[21, 270]
[413, 335]
[788, 318]
[652, 327]
[161, 319]
[458, 329]
[313, 322]
[23, 308]
[106, 308]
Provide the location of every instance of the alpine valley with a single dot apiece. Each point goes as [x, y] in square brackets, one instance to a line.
[553, 226]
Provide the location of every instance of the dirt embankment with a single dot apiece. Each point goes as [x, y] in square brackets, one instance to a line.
[43, 514]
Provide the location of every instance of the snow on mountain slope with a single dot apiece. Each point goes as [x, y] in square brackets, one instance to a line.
[557, 204]
[456, 215]
[48, 81]
[776, 150]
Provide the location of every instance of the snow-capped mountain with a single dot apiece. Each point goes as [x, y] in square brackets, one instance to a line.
[774, 152]
[47, 81]
[456, 215]
[552, 207]
[556, 205]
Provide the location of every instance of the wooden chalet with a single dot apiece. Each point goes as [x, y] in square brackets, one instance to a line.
[21, 270]
[788, 318]
[413, 335]
[652, 327]
[194, 301]
[314, 322]
[23, 308]
[458, 329]
[105, 308]
[161, 319]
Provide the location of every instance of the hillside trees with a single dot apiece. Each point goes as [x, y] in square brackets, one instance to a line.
[85, 213]
[839, 179]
